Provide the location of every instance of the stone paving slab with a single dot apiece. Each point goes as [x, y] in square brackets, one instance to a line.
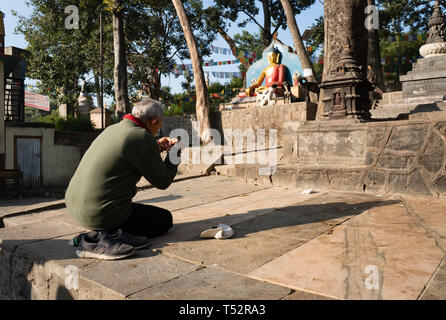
[144, 270]
[15, 236]
[30, 254]
[268, 235]
[211, 284]
[33, 218]
[190, 222]
[436, 289]
[14, 206]
[241, 254]
[190, 193]
[396, 245]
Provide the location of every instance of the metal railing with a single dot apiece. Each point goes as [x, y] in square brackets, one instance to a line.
[14, 99]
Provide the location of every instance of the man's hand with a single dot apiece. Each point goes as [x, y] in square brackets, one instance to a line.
[166, 144]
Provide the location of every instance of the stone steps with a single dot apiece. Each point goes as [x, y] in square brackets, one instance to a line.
[422, 109]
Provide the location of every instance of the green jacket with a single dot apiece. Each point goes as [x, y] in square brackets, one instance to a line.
[99, 196]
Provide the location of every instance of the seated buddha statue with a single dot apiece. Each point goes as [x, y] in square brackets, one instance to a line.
[274, 76]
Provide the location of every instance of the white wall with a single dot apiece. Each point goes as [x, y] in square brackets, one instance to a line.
[59, 162]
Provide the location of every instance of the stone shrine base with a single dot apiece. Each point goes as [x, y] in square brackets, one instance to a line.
[407, 157]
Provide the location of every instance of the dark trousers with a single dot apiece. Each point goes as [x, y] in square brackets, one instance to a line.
[147, 221]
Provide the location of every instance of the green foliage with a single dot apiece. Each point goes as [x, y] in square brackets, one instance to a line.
[224, 12]
[69, 124]
[33, 114]
[236, 83]
[392, 50]
[395, 17]
[180, 107]
[183, 103]
[216, 87]
[317, 35]
[249, 42]
[166, 94]
[173, 110]
[226, 92]
[155, 39]
[60, 57]
[318, 69]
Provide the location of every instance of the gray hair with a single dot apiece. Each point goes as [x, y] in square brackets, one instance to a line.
[149, 109]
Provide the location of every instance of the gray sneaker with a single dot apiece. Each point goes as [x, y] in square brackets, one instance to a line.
[93, 236]
[107, 248]
[135, 241]
[121, 235]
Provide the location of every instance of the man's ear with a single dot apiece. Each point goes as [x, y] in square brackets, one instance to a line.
[155, 122]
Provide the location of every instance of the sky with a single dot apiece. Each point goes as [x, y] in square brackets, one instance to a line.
[304, 21]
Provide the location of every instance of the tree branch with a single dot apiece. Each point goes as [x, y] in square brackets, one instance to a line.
[231, 44]
[253, 19]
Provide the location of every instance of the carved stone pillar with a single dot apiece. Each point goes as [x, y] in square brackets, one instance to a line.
[344, 93]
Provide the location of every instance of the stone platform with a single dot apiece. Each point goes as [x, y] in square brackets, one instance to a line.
[407, 157]
[287, 245]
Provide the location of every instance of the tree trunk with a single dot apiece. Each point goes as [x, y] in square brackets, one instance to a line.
[267, 36]
[233, 47]
[154, 86]
[202, 104]
[297, 39]
[120, 69]
[374, 52]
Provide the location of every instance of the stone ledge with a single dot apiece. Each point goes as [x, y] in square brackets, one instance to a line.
[359, 179]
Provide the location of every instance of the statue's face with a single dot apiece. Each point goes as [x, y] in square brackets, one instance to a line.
[273, 57]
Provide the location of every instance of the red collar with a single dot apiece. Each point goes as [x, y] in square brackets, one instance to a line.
[135, 120]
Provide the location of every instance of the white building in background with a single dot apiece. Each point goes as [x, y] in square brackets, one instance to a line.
[32, 155]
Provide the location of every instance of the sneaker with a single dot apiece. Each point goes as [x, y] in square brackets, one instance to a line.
[92, 235]
[107, 248]
[130, 239]
[121, 235]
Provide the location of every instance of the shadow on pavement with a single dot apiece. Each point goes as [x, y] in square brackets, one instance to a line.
[283, 217]
[16, 270]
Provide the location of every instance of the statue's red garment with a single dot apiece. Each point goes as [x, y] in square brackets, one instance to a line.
[275, 76]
